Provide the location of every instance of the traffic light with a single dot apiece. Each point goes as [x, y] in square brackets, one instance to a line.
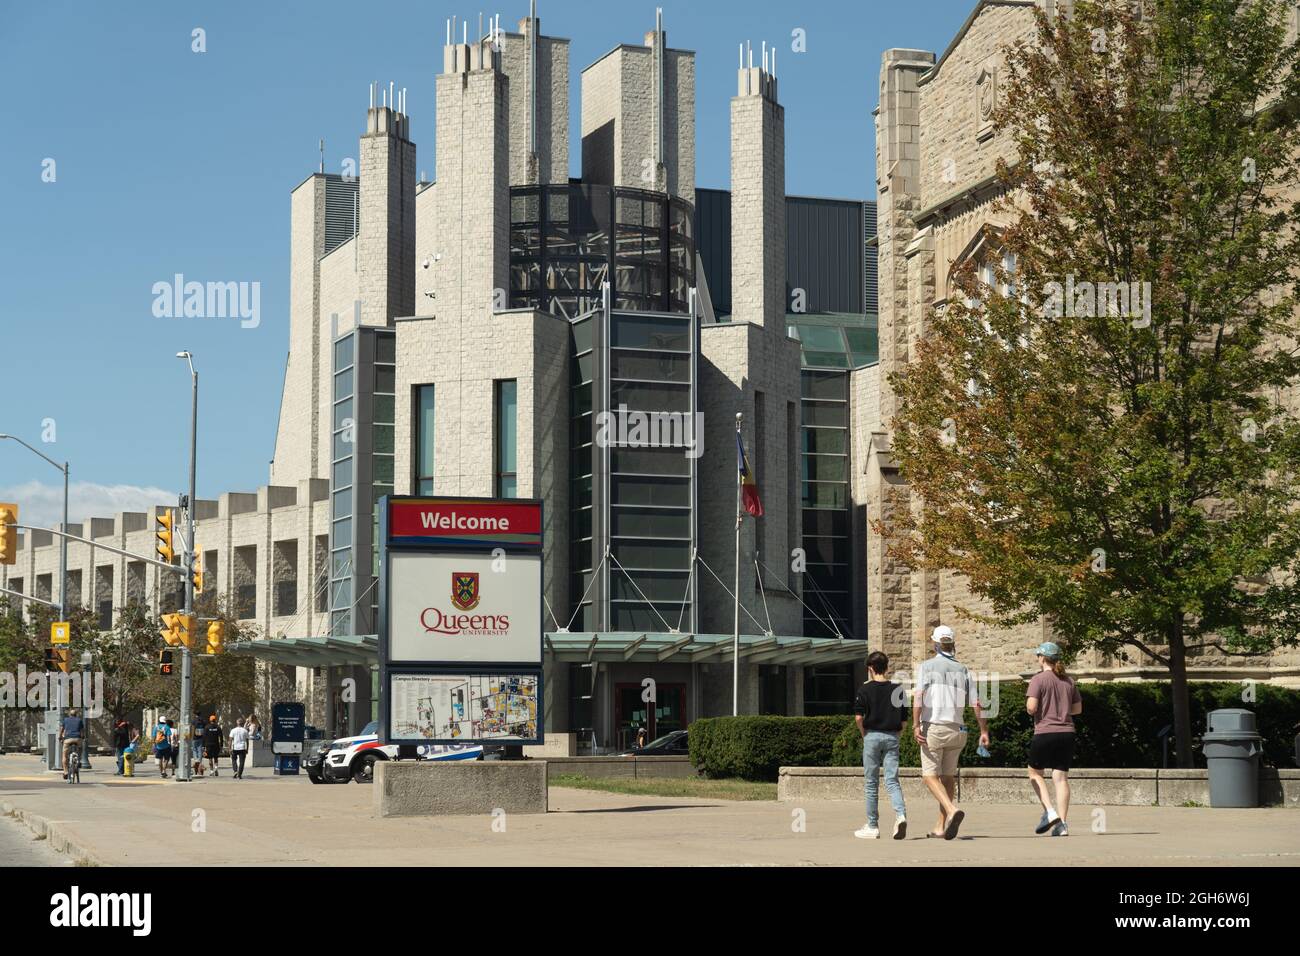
[163, 534]
[198, 570]
[8, 533]
[216, 637]
[56, 659]
[187, 628]
[165, 663]
[171, 629]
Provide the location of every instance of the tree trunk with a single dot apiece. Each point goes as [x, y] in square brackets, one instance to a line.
[1178, 689]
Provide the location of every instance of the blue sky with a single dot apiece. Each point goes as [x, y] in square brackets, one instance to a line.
[170, 161]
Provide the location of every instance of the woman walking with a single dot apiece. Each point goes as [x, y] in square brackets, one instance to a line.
[1053, 700]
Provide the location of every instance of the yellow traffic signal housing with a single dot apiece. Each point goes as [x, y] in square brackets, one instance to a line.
[62, 659]
[187, 627]
[216, 637]
[165, 663]
[171, 629]
[163, 534]
[8, 533]
[198, 570]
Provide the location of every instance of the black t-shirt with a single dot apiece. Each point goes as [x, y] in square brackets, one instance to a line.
[122, 737]
[882, 706]
[211, 735]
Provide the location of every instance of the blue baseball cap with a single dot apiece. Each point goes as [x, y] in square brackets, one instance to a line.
[1049, 650]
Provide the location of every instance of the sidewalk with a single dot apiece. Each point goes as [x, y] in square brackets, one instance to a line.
[265, 820]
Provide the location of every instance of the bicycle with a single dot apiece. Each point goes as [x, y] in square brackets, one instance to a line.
[74, 767]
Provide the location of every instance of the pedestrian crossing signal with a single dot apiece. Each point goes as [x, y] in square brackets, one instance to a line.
[165, 663]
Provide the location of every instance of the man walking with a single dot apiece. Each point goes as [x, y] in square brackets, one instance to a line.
[881, 711]
[212, 743]
[943, 691]
[238, 749]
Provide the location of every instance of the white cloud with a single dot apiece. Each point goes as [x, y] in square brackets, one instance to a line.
[41, 505]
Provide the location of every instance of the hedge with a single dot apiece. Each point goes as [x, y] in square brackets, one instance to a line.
[755, 748]
[1117, 728]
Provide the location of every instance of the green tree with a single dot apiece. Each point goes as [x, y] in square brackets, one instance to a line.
[1126, 465]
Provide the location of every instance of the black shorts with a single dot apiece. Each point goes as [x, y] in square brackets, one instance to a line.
[1052, 751]
[213, 751]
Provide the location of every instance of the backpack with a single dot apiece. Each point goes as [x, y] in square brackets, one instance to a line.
[160, 737]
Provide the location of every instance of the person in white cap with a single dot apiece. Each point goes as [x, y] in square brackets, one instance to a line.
[1053, 700]
[944, 689]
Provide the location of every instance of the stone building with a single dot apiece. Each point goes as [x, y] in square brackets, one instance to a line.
[937, 150]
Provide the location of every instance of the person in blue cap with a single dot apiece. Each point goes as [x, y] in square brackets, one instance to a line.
[1053, 700]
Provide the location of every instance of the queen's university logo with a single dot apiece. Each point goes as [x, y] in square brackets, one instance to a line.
[464, 590]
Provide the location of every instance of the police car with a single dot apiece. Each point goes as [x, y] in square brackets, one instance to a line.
[354, 758]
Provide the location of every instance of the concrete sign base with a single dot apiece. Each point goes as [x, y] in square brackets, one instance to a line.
[459, 787]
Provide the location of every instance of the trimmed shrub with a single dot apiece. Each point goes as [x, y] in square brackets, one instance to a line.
[1117, 728]
[755, 748]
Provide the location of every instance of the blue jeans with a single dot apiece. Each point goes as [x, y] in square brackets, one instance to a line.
[880, 748]
[119, 751]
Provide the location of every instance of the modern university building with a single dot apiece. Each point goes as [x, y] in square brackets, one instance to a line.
[494, 331]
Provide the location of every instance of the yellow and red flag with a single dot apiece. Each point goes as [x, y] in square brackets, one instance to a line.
[748, 486]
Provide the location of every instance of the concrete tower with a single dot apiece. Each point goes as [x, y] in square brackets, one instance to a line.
[386, 257]
[538, 69]
[758, 292]
[638, 118]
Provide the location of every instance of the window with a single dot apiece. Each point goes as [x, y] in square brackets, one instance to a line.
[507, 435]
[424, 418]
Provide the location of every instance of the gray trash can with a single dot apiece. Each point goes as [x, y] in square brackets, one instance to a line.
[1232, 748]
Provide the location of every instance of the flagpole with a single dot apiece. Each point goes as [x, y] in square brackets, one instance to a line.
[735, 634]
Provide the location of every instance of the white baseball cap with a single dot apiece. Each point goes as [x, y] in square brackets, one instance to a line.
[943, 635]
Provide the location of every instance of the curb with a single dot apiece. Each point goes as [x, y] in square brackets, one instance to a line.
[59, 840]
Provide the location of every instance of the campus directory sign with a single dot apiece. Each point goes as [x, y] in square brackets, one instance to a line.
[460, 620]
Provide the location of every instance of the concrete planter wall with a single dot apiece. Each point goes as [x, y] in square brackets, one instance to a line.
[623, 767]
[1106, 787]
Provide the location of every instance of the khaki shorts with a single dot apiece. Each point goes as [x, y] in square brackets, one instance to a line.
[941, 750]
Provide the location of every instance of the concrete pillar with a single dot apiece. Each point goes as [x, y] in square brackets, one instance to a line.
[386, 255]
[757, 201]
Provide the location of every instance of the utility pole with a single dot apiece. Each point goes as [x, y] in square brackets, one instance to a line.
[187, 658]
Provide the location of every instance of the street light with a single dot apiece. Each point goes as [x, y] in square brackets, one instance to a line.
[187, 659]
[85, 707]
[53, 753]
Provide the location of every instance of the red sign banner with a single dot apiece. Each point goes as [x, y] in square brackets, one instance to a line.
[464, 521]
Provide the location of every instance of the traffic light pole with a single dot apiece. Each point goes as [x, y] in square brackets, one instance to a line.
[187, 658]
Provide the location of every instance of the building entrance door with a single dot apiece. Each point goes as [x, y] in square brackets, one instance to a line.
[662, 716]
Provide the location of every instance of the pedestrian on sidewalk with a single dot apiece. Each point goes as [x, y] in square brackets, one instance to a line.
[238, 749]
[121, 740]
[196, 743]
[944, 689]
[212, 743]
[254, 727]
[1053, 700]
[162, 745]
[880, 710]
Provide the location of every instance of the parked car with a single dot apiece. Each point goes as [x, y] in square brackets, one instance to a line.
[669, 745]
[354, 758]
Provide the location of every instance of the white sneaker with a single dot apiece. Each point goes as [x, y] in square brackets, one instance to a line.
[900, 828]
[1061, 829]
[867, 833]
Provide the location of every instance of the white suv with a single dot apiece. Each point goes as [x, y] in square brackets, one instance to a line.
[354, 758]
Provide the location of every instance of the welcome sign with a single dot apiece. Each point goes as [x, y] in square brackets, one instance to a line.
[460, 606]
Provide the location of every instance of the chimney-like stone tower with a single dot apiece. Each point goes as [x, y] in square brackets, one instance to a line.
[472, 198]
[758, 292]
[386, 254]
[538, 69]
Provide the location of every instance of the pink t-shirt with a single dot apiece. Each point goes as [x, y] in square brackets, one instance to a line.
[1056, 695]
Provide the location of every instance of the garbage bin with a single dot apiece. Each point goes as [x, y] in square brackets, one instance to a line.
[1232, 747]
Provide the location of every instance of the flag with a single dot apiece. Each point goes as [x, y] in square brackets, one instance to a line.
[748, 486]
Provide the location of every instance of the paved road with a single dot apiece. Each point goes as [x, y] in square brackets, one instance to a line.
[19, 848]
[285, 821]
